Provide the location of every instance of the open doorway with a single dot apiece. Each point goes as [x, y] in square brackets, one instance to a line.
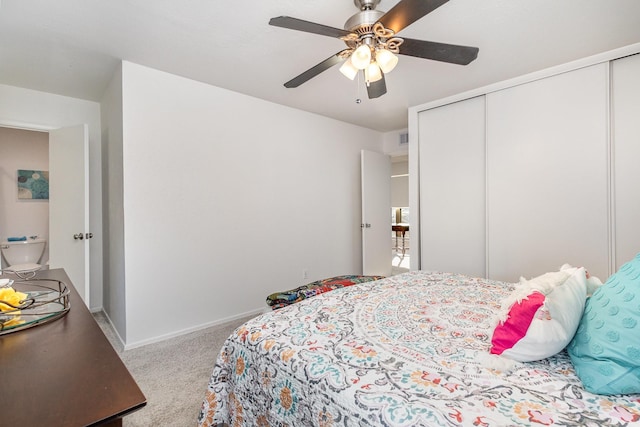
[62, 220]
[400, 214]
[23, 213]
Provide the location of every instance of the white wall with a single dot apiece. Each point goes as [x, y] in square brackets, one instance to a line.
[227, 199]
[22, 149]
[39, 110]
[113, 210]
[391, 143]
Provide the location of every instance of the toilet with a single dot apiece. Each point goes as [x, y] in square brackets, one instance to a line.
[22, 256]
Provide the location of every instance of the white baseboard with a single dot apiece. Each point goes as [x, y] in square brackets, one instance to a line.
[251, 313]
[115, 331]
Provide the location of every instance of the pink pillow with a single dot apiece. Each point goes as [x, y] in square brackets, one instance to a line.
[541, 315]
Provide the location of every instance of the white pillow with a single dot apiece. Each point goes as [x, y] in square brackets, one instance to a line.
[541, 315]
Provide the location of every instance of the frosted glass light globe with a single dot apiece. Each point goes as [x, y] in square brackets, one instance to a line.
[361, 57]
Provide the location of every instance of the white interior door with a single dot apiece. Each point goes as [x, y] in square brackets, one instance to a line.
[69, 205]
[452, 188]
[376, 213]
[626, 152]
[547, 175]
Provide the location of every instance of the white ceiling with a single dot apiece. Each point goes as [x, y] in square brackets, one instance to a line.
[72, 47]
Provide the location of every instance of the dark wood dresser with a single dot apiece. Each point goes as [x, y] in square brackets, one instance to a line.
[64, 373]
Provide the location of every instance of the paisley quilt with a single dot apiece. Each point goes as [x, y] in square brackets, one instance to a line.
[403, 351]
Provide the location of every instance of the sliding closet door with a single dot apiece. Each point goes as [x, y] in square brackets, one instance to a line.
[547, 175]
[452, 187]
[626, 143]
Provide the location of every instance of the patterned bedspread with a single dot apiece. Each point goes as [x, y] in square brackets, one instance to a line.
[403, 351]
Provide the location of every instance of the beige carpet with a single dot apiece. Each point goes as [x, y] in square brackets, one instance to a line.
[172, 374]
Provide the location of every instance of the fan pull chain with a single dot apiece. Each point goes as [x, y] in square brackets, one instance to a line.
[358, 99]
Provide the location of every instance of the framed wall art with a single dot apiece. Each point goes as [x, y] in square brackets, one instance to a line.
[33, 185]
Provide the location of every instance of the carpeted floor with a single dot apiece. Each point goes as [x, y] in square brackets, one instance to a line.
[172, 374]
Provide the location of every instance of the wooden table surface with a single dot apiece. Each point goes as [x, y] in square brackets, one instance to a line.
[64, 373]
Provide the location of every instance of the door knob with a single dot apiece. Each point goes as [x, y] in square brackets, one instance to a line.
[78, 236]
[89, 235]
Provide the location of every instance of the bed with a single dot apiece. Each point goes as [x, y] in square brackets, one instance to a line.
[408, 350]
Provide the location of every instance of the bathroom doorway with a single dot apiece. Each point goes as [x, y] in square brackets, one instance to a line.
[23, 150]
[62, 152]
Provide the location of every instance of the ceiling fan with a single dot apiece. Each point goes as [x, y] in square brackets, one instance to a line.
[372, 44]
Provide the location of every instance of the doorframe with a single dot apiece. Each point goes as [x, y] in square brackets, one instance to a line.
[414, 190]
[26, 126]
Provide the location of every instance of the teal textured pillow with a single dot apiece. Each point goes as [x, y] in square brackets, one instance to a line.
[606, 348]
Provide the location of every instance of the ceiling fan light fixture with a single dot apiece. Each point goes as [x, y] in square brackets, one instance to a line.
[372, 73]
[386, 60]
[348, 70]
[361, 57]
[372, 44]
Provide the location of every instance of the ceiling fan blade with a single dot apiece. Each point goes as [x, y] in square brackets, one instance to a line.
[306, 26]
[377, 88]
[443, 52]
[315, 70]
[406, 12]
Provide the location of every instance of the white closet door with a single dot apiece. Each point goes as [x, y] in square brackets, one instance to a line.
[452, 187]
[547, 156]
[626, 143]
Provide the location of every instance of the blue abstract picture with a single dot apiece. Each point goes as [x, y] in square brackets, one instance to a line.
[33, 184]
